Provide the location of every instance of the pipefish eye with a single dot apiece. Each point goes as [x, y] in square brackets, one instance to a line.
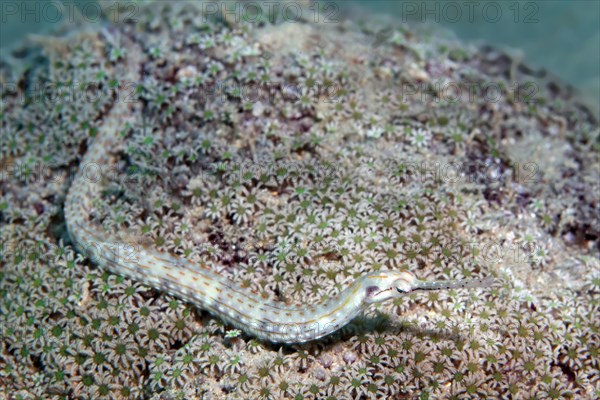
[402, 288]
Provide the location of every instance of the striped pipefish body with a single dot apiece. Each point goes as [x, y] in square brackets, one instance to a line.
[199, 284]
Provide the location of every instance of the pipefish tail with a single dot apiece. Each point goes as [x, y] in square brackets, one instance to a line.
[199, 284]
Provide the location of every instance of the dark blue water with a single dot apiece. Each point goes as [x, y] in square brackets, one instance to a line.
[560, 36]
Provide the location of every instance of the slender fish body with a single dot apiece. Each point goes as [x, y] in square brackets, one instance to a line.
[199, 284]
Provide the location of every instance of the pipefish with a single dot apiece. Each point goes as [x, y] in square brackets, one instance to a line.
[199, 284]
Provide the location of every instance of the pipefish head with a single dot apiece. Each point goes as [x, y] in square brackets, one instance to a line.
[386, 285]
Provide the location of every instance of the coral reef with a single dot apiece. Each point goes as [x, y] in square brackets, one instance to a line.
[294, 156]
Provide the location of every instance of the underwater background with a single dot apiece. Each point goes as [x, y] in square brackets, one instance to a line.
[385, 136]
[562, 37]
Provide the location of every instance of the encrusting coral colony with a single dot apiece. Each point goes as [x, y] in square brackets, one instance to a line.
[293, 157]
